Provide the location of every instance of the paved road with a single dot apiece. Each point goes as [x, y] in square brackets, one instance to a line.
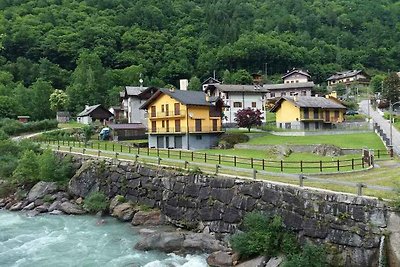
[384, 124]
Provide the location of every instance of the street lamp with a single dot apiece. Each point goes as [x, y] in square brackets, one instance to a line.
[391, 120]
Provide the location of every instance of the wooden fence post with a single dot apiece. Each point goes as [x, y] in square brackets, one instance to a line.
[301, 180]
[360, 187]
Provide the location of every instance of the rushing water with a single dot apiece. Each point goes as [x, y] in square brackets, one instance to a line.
[50, 240]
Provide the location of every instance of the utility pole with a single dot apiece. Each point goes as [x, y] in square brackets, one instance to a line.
[266, 72]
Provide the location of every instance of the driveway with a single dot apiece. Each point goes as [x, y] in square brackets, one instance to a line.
[384, 124]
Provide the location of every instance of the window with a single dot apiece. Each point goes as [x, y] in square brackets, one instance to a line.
[199, 137]
[198, 125]
[291, 81]
[237, 104]
[283, 93]
[303, 93]
[272, 94]
[253, 104]
[316, 125]
[280, 125]
[162, 109]
[297, 81]
[288, 125]
[153, 111]
[227, 95]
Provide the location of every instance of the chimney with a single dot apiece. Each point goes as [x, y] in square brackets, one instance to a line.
[183, 84]
[295, 97]
[86, 106]
[208, 97]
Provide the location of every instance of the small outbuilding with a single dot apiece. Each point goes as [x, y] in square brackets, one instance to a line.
[128, 131]
[23, 119]
[93, 114]
[63, 116]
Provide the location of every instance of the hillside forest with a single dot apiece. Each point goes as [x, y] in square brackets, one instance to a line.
[90, 48]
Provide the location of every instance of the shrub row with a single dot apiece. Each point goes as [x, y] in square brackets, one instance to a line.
[14, 127]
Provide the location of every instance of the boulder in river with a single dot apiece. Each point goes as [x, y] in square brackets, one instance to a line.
[124, 211]
[223, 259]
[71, 208]
[41, 189]
[153, 217]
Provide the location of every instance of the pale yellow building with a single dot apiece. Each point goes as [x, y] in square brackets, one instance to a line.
[183, 119]
[307, 113]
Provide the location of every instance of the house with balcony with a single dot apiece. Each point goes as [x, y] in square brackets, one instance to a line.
[296, 76]
[132, 97]
[183, 119]
[308, 113]
[237, 97]
[349, 77]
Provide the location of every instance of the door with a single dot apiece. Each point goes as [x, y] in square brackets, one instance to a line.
[153, 127]
[177, 126]
[167, 126]
[167, 142]
[160, 141]
[306, 113]
[215, 125]
[306, 125]
[198, 125]
[166, 110]
[178, 141]
[327, 115]
[153, 111]
[177, 108]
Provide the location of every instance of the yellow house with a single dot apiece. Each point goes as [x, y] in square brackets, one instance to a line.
[183, 119]
[307, 113]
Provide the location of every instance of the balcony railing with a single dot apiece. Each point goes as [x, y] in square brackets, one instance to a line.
[170, 113]
[182, 130]
[311, 117]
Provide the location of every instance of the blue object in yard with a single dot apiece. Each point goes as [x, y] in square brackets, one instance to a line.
[105, 133]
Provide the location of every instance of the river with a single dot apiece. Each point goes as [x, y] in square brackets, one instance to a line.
[50, 240]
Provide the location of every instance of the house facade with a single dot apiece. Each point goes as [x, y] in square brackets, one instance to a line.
[183, 119]
[131, 99]
[238, 97]
[349, 77]
[296, 76]
[307, 113]
[94, 113]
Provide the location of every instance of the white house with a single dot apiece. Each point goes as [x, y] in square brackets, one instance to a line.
[348, 77]
[296, 76]
[254, 96]
[94, 113]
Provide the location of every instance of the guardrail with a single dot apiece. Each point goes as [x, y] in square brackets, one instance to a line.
[236, 172]
[320, 166]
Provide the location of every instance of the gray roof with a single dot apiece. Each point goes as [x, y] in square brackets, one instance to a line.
[309, 102]
[302, 72]
[134, 90]
[196, 98]
[127, 126]
[262, 88]
[88, 110]
[344, 74]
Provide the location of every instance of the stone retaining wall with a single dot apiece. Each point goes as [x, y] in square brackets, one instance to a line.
[348, 225]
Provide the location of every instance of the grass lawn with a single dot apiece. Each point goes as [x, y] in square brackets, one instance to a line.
[69, 125]
[358, 140]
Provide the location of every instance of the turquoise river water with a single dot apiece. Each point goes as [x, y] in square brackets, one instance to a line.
[50, 240]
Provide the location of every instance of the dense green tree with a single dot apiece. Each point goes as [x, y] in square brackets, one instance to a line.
[377, 83]
[194, 84]
[58, 100]
[391, 87]
[88, 85]
[40, 102]
[8, 107]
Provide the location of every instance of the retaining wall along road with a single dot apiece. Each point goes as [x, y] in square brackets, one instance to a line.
[350, 226]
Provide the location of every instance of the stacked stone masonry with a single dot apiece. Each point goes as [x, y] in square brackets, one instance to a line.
[350, 226]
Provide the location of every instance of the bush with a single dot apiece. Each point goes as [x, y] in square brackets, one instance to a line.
[52, 169]
[229, 140]
[3, 135]
[27, 169]
[263, 235]
[96, 202]
[14, 127]
[311, 256]
[7, 189]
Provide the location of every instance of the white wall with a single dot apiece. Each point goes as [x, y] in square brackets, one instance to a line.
[247, 101]
[295, 78]
[84, 120]
[136, 115]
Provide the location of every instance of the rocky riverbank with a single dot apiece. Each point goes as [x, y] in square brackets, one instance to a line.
[155, 231]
